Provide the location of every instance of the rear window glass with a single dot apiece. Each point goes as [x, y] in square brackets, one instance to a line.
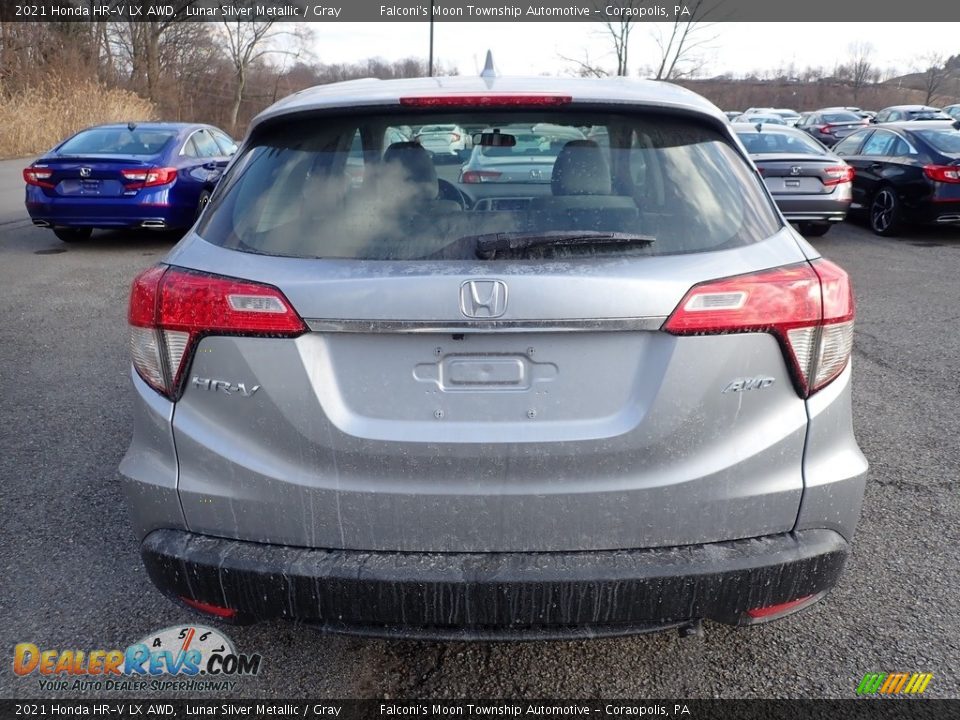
[927, 115]
[298, 191]
[767, 119]
[945, 141]
[840, 117]
[775, 142]
[117, 141]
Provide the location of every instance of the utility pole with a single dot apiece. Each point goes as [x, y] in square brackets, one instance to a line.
[430, 63]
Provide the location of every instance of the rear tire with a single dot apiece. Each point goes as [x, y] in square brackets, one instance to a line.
[885, 216]
[202, 202]
[814, 229]
[69, 235]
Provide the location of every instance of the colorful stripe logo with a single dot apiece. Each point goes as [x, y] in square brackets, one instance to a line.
[894, 683]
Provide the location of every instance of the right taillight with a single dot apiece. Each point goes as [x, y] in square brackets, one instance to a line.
[808, 308]
[172, 309]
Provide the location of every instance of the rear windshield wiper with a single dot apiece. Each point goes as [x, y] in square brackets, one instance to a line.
[489, 245]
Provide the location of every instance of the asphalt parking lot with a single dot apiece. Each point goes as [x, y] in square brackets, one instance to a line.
[72, 576]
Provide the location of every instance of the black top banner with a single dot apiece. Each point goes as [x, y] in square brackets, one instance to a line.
[480, 10]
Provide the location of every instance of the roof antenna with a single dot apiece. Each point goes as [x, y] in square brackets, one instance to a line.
[488, 70]
[131, 126]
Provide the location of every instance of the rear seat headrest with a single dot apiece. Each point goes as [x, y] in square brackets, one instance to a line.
[580, 169]
[417, 166]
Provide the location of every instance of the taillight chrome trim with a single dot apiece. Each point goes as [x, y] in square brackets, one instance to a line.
[624, 324]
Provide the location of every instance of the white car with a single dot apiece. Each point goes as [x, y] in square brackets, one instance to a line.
[789, 117]
[443, 139]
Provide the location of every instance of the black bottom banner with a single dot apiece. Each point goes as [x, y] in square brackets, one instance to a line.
[867, 709]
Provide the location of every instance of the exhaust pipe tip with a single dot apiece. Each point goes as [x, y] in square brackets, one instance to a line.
[42, 223]
[153, 224]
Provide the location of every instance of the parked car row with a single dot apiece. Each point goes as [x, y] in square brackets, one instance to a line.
[901, 166]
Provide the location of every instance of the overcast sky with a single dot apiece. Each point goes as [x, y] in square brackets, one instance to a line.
[533, 48]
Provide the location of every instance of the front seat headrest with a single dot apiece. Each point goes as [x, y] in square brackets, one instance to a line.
[415, 166]
[580, 169]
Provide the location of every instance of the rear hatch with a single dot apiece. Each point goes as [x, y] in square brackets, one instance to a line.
[439, 401]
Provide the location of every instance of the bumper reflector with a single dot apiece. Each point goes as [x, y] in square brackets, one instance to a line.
[215, 610]
[773, 612]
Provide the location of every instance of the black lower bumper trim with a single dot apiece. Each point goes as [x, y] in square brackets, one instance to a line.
[495, 595]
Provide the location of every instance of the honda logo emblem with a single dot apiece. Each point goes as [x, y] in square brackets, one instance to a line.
[85, 172]
[483, 298]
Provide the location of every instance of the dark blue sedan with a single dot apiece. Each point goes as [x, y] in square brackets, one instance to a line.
[138, 175]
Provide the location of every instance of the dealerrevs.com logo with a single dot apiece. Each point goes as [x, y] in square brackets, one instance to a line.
[898, 683]
[191, 657]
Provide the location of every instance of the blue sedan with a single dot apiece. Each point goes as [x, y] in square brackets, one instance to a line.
[138, 175]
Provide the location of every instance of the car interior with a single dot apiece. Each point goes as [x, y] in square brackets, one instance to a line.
[393, 200]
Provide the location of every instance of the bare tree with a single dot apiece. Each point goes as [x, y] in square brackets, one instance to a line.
[681, 46]
[619, 32]
[585, 67]
[934, 75]
[247, 42]
[861, 68]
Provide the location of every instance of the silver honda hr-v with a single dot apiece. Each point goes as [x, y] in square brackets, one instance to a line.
[608, 398]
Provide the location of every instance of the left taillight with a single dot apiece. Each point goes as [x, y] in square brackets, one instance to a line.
[38, 177]
[171, 309]
[838, 174]
[137, 178]
[942, 173]
[808, 307]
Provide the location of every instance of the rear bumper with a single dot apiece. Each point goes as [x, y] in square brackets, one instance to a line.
[108, 212]
[814, 208]
[495, 595]
[943, 211]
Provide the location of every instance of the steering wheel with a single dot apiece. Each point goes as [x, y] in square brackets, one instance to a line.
[449, 191]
